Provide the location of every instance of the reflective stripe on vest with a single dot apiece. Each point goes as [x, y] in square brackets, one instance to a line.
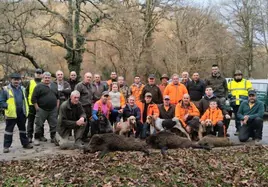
[31, 89]
[11, 112]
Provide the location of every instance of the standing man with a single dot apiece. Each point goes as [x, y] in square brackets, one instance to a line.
[175, 90]
[29, 92]
[251, 115]
[185, 78]
[14, 101]
[64, 88]
[98, 87]
[71, 117]
[218, 84]
[136, 89]
[46, 102]
[73, 80]
[164, 82]
[113, 79]
[123, 87]
[238, 88]
[157, 97]
[196, 89]
[86, 91]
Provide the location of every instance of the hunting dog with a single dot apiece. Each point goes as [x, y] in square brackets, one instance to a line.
[124, 128]
[104, 125]
[157, 125]
[205, 128]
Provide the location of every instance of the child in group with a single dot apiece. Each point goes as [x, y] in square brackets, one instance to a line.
[212, 120]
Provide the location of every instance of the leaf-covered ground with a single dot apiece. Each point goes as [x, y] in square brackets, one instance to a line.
[244, 166]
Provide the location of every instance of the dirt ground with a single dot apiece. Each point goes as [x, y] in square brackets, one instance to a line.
[47, 148]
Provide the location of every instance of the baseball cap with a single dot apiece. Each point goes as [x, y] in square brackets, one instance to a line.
[166, 97]
[251, 92]
[151, 76]
[15, 76]
[105, 93]
[38, 70]
[148, 94]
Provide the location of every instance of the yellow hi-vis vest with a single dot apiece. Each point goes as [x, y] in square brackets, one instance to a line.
[31, 89]
[238, 89]
[11, 111]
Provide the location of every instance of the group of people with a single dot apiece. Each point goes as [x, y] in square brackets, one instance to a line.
[74, 109]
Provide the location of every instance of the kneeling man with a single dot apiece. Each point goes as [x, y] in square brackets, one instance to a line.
[71, 117]
[251, 115]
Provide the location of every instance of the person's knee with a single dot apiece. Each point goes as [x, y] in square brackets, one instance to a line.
[220, 124]
[242, 136]
[258, 120]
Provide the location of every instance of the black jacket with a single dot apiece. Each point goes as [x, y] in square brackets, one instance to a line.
[218, 84]
[204, 104]
[155, 91]
[196, 90]
[166, 114]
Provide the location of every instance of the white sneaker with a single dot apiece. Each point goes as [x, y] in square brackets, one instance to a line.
[36, 142]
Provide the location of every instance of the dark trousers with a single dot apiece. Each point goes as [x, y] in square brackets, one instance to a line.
[145, 128]
[237, 121]
[253, 128]
[10, 124]
[219, 127]
[88, 111]
[31, 120]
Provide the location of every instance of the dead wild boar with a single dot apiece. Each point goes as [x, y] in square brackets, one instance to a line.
[214, 141]
[166, 140]
[113, 142]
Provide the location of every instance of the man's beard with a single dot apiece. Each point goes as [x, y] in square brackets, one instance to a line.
[252, 101]
[238, 80]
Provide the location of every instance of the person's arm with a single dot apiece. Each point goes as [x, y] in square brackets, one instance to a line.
[155, 110]
[160, 96]
[225, 88]
[3, 99]
[178, 115]
[27, 90]
[260, 112]
[195, 111]
[205, 116]
[143, 94]
[240, 113]
[138, 114]
[63, 119]
[35, 97]
[219, 117]
[166, 90]
[122, 101]
[248, 85]
[67, 89]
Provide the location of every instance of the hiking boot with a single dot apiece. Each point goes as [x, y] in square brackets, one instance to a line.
[6, 150]
[55, 141]
[236, 133]
[36, 142]
[43, 139]
[28, 146]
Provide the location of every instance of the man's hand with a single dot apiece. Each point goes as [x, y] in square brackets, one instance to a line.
[155, 117]
[203, 122]
[188, 129]
[227, 116]
[246, 117]
[120, 111]
[80, 122]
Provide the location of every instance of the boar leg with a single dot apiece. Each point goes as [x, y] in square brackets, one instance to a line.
[164, 150]
[103, 153]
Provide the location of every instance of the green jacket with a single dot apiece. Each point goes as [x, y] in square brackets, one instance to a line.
[256, 111]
